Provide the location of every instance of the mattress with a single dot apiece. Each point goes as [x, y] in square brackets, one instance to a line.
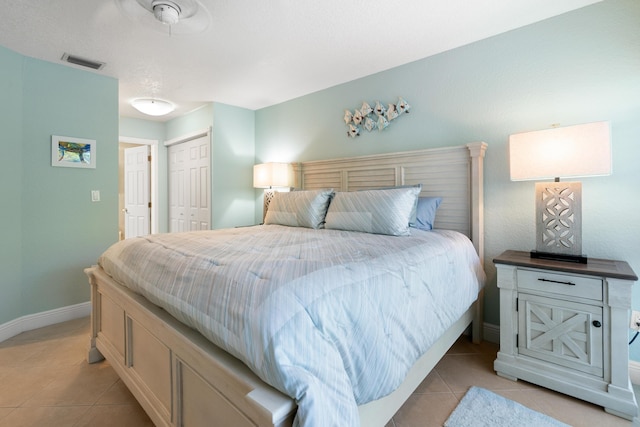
[332, 318]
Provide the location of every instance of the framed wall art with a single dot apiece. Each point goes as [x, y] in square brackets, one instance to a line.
[73, 152]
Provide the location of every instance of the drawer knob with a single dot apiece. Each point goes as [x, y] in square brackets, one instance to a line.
[596, 323]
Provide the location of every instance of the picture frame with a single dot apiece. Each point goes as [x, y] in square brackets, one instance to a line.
[71, 152]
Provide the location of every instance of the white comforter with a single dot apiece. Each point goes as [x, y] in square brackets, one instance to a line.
[332, 318]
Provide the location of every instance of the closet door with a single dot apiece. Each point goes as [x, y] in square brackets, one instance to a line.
[190, 185]
[199, 184]
[177, 188]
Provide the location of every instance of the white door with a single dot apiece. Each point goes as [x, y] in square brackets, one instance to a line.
[199, 189]
[190, 185]
[177, 188]
[137, 200]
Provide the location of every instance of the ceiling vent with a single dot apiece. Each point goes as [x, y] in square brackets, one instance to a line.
[83, 62]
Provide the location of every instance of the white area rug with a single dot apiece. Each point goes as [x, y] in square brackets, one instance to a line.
[480, 407]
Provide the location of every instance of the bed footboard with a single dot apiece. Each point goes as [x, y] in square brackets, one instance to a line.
[179, 377]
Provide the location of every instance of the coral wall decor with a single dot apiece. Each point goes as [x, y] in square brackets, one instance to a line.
[376, 117]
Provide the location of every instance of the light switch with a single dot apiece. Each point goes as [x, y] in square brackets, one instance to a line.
[95, 195]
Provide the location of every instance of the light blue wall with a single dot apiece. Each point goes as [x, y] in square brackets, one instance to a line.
[233, 152]
[10, 185]
[579, 67]
[197, 120]
[53, 230]
[63, 231]
[140, 128]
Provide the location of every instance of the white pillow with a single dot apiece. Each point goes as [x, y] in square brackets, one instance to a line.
[385, 211]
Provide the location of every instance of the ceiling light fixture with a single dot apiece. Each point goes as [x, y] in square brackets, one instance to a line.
[177, 16]
[152, 107]
[166, 11]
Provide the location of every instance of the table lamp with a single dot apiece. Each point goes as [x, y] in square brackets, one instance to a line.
[567, 152]
[270, 176]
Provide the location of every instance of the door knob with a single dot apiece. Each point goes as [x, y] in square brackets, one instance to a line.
[596, 323]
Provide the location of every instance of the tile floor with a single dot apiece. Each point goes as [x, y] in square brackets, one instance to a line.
[46, 381]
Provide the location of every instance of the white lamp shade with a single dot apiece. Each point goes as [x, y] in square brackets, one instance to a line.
[152, 107]
[571, 151]
[269, 175]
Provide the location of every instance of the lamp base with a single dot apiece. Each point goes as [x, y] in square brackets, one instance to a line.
[580, 259]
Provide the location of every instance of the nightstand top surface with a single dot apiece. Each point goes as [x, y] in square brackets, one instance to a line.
[594, 266]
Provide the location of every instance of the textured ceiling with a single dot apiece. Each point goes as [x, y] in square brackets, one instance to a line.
[255, 53]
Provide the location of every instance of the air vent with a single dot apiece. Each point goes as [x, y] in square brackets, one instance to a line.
[83, 62]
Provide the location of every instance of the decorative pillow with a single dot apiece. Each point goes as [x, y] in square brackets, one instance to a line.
[412, 221]
[373, 211]
[299, 208]
[426, 212]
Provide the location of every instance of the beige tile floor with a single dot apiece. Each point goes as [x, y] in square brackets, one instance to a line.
[46, 381]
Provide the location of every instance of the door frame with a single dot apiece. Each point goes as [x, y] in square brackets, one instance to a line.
[153, 143]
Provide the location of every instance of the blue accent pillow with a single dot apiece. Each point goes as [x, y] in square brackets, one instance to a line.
[426, 212]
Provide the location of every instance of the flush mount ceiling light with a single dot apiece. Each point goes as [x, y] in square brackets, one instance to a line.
[152, 107]
[166, 11]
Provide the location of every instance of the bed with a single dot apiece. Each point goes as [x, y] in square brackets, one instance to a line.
[318, 304]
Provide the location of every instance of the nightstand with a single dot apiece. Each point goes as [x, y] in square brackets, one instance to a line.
[565, 326]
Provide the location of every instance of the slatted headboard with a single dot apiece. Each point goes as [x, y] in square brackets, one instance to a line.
[453, 173]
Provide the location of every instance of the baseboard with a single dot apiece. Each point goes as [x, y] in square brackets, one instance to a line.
[634, 371]
[46, 318]
[491, 333]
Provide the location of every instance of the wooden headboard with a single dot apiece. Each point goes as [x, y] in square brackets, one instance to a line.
[453, 173]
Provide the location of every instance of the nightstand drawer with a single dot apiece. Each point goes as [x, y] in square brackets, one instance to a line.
[562, 284]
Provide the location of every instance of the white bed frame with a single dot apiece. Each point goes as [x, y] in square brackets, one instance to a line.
[182, 379]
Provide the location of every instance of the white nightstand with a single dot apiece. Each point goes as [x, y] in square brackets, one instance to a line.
[565, 326]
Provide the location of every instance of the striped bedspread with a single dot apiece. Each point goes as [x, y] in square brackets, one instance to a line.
[331, 318]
